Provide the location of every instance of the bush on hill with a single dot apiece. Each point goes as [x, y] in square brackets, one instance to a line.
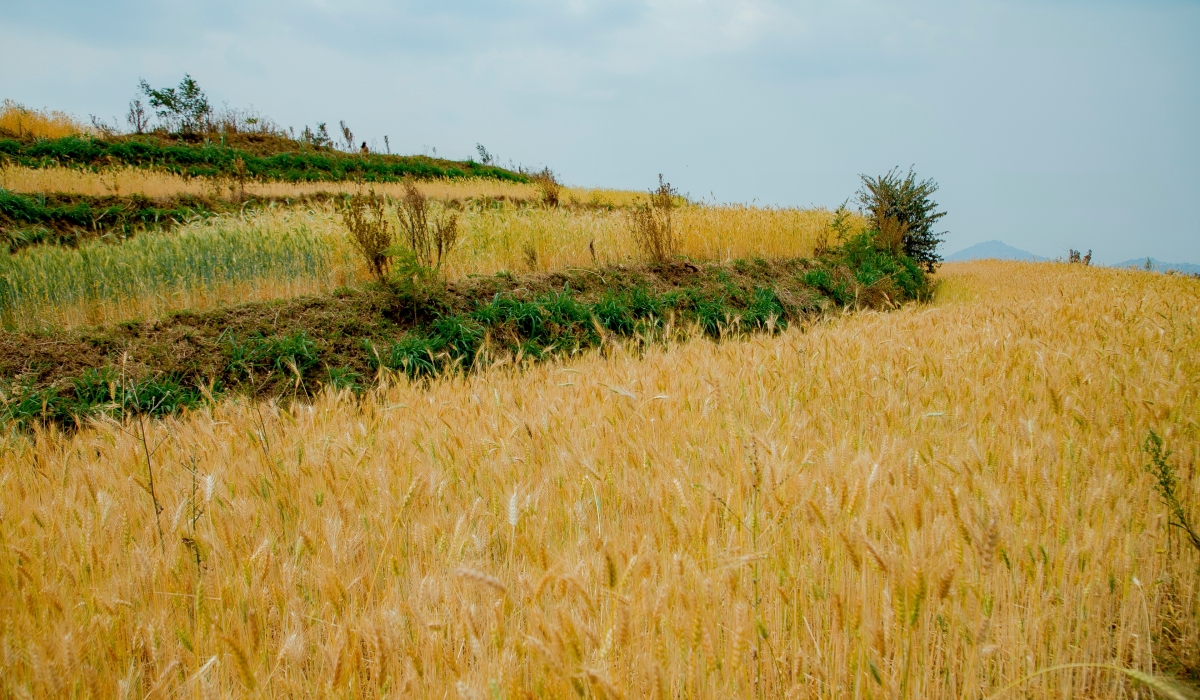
[901, 203]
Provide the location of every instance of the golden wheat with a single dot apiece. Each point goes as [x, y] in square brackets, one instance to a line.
[932, 502]
[150, 182]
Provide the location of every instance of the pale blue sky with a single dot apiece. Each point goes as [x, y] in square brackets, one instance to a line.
[1049, 125]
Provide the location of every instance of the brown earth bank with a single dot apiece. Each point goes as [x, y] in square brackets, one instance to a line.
[343, 327]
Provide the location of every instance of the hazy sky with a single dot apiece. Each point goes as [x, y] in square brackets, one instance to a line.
[1049, 125]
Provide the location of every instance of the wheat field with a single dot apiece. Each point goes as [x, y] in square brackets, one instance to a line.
[928, 503]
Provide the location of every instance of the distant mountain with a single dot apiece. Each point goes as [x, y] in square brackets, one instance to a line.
[996, 250]
[1159, 266]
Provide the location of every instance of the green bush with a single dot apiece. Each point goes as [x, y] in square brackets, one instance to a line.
[906, 200]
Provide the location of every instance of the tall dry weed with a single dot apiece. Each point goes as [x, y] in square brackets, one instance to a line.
[365, 217]
[651, 224]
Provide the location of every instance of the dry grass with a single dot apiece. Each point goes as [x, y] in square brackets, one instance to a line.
[157, 183]
[497, 239]
[931, 503]
[161, 184]
[22, 122]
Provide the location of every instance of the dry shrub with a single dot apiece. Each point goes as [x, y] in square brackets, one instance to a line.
[429, 238]
[365, 215]
[550, 186]
[21, 122]
[651, 224]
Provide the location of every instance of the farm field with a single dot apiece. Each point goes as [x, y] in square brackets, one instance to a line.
[933, 501]
[258, 440]
[281, 250]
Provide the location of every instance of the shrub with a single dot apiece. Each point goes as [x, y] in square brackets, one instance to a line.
[876, 270]
[365, 216]
[906, 200]
[651, 224]
[551, 187]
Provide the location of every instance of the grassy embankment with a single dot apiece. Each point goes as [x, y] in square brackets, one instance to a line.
[932, 502]
[349, 338]
[66, 206]
[215, 160]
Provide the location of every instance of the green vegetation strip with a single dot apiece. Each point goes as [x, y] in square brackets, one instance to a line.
[344, 339]
[213, 160]
[64, 219]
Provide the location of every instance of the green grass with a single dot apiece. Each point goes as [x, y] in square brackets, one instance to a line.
[96, 392]
[559, 323]
[32, 219]
[212, 159]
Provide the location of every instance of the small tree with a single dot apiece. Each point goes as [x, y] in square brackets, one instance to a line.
[137, 117]
[318, 139]
[907, 200]
[651, 224]
[184, 108]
